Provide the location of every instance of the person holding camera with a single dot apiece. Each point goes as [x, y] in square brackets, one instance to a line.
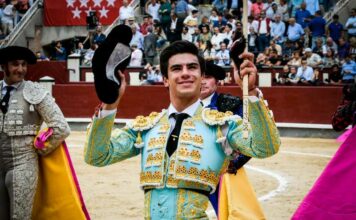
[345, 114]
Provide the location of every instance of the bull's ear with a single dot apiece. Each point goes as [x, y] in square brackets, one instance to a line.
[112, 55]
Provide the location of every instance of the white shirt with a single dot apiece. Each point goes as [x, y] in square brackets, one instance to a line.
[216, 39]
[306, 73]
[207, 100]
[189, 110]
[187, 37]
[136, 58]
[3, 88]
[263, 27]
[153, 11]
[126, 12]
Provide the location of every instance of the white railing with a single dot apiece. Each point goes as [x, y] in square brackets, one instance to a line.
[133, 4]
[340, 4]
[25, 20]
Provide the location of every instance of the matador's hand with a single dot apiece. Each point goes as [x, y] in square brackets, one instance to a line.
[247, 68]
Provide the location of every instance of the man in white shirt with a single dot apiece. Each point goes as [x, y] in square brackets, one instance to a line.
[222, 57]
[125, 11]
[305, 73]
[152, 9]
[136, 56]
[313, 59]
[217, 38]
[137, 38]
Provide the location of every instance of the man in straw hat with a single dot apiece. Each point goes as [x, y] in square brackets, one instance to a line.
[24, 106]
[186, 147]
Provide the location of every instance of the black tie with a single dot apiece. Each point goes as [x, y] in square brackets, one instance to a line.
[5, 99]
[173, 138]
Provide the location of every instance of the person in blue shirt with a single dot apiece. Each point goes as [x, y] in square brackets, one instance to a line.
[348, 70]
[317, 28]
[302, 15]
[335, 29]
[60, 52]
[295, 31]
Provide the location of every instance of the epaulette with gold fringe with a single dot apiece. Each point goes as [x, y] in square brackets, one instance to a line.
[142, 123]
[213, 117]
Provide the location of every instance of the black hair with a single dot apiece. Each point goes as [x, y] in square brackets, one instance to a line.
[179, 47]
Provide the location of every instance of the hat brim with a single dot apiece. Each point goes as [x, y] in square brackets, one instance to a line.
[11, 53]
[215, 71]
[112, 55]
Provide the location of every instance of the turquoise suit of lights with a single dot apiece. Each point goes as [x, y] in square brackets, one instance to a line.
[173, 185]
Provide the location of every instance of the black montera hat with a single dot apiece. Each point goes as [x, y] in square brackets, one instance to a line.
[16, 53]
[112, 55]
[215, 71]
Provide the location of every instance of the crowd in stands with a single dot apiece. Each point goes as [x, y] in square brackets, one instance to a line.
[293, 35]
[290, 34]
[11, 12]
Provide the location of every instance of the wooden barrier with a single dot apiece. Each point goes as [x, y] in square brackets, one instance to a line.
[289, 104]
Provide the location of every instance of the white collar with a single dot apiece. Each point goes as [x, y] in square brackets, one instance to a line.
[189, 110]
[207, 100]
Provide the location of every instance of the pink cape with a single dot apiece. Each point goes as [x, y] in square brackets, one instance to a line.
[333, 196]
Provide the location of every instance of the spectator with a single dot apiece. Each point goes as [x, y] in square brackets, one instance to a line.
[136, 56]
[143, 78]
[154, 75]
[21, 8]
[318, 49]
[99, 37]
[137, 38]
[7, 19]
[351, 24]
[313, 59]
[195, 37]
[278, 29]
[263, 31]
[348, 70]
[343, 49]
[284, 11]
[125, 11]
[161, 38]
[305, 73]
[230, 20]
[228, 33]
[192, 21]
[176, 27]
[267, 8]
[335, 77]
[296, 59]
[252, 40]
[220, 5]
[152, 9]
[283, 76]
[329, 45]
[205, 36]
[274, 12]
[262, 57]
[222, 57]
[302, 16]
[216, 38]
[274, 46]
[132, 22]
[144, 25]
[40, 57]
[186, 35]
[181, 9]
[257, 8]
[204, 21]
[292, 76]
[335, 29]
[274, 59]
[149, 43]
[288, 49]
[295, 31]
[329, 59]
[295, 5]
[312, 6]
[221, 22]
[89, 55]
[214, 16]
[317, 27]
[209, 52]
[60, 53]
[165, 13]
[251, 22]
